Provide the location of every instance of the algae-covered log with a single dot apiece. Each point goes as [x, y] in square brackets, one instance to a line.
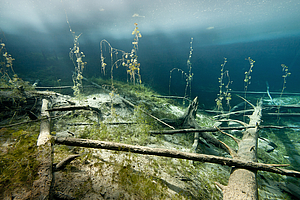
[174, 154]
[242, 182]
[41, 187]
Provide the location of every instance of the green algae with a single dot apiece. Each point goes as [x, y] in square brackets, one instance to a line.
[18, 164]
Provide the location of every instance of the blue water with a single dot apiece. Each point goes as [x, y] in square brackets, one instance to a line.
[266, 31]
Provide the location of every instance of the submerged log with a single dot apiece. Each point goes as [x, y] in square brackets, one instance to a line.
[41, 186]
[242, 182]
[187, 121]
[174, 154]
[67, 108]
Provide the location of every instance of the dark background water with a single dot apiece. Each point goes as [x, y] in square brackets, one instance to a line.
[36, 33]
[159, 54]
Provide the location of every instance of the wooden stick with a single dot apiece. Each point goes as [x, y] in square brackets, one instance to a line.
[171, 97]
[285, 114]
[67, 108]
[234, 138]
[173, 154]
[65, 161]
[284, 106]
[252, 92]
[234, 113]
[213, 129]
[31, 121]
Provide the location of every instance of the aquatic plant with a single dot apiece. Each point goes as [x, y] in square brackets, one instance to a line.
[76, 56]
[188, 76]
[224, 90]
[286, 72]
[6, 70]
[129, 60]
[9, 79]
[247, 79]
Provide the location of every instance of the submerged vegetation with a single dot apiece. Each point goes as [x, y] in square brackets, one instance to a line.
[128, 60]
[247, 79]
[9, 79]
[77, 58]
[126, 175]
[18, 164]
[224, 90]
[188, 76]
[286, 72]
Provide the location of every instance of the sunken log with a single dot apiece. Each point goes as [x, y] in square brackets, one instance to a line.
[174, 154]
[41, 186]
[242, 182]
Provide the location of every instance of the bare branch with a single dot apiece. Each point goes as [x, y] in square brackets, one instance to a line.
[173, 154]
[234, 138]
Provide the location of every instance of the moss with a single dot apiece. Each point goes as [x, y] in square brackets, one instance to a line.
[140, 185]
[18, 163]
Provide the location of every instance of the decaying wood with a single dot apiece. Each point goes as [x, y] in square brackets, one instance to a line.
[276, 93]
[172, 97]
[187, 121]
[29, 94]
[31, 121]
[231, 136]
[61, 87]
[233, 113]
[284, 106]
[67, 108]
[213, 129]
[208, 129]
[41, 186]
[106, 123]
[242, 182]
[65, 161]
[285, 114]
[173, 154]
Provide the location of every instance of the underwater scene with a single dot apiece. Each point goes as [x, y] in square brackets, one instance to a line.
[160, 99]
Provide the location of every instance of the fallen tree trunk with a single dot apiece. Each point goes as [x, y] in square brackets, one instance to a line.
[41, 186]
[174, 154]
[242, 182]
[67, 108]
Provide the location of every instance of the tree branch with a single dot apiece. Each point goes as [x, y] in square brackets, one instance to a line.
[173, 154]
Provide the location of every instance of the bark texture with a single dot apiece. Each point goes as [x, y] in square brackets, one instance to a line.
[242, 183]
[41, 186]
[173, 154]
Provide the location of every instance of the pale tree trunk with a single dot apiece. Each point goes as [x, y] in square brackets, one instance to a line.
[242, 183]
[41, 186]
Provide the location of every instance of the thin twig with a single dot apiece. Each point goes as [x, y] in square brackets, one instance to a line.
[234, 138]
